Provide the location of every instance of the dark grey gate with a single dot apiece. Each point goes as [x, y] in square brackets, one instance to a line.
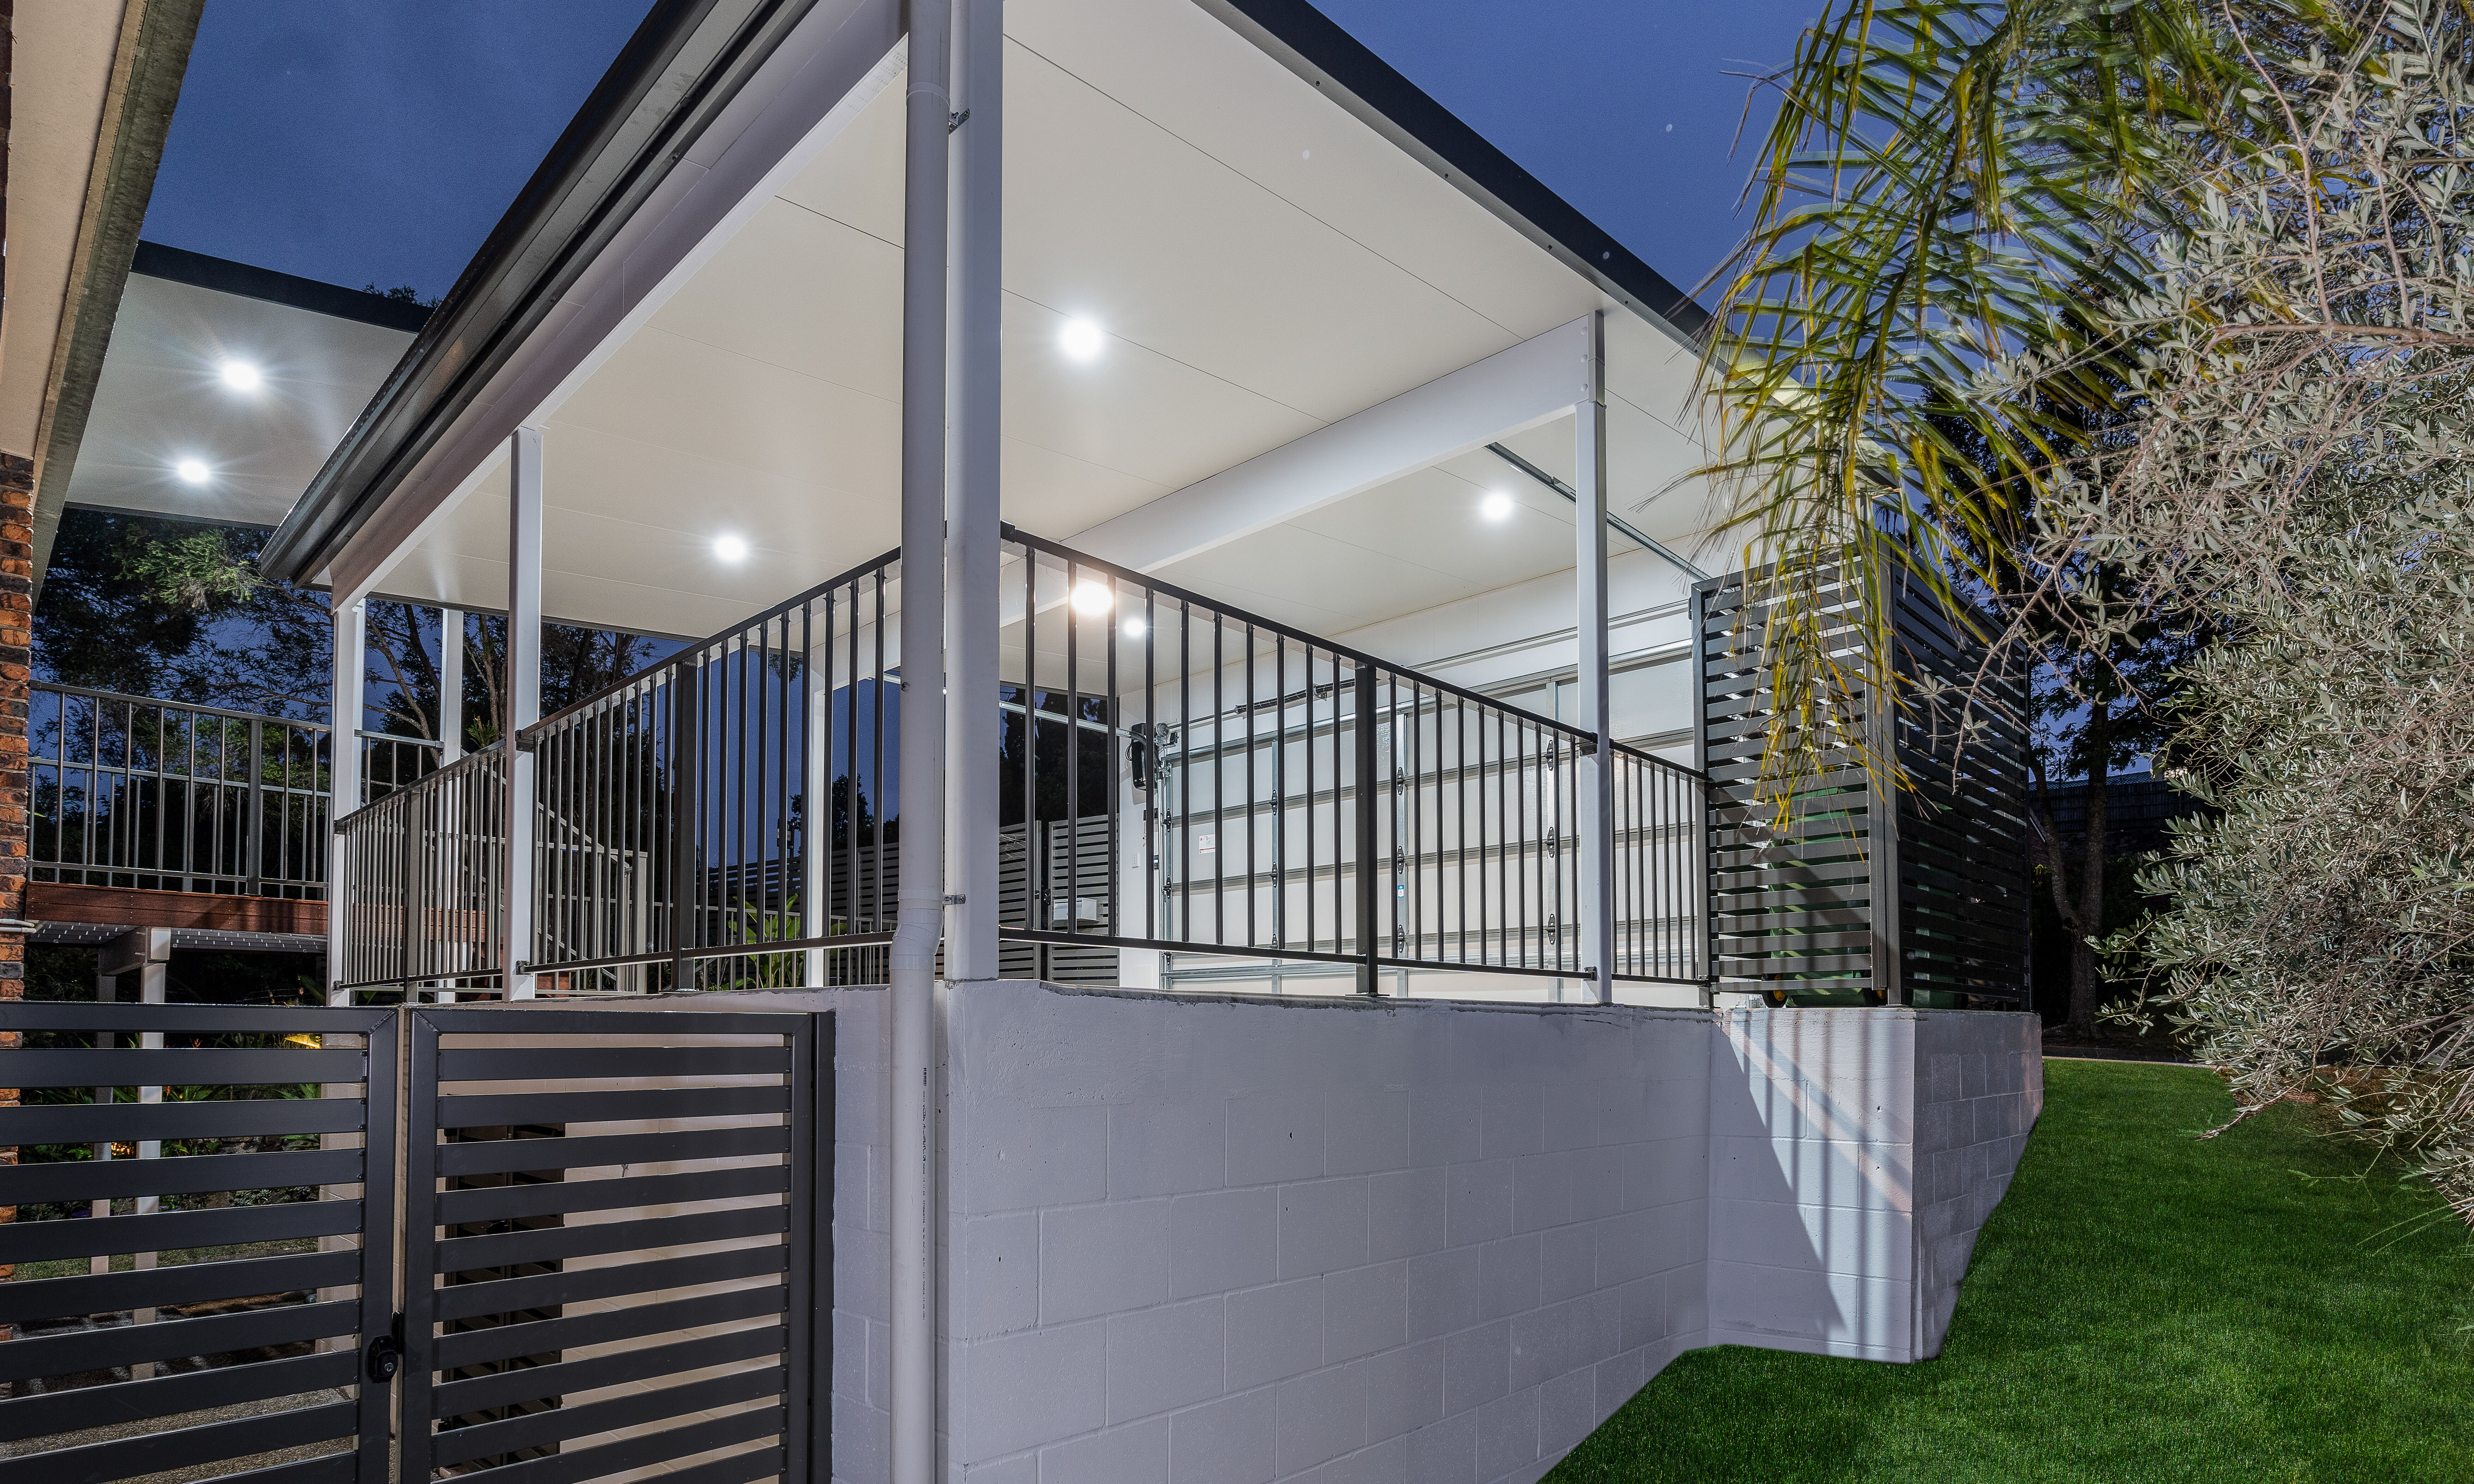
[199, 1272]
[601, 1203]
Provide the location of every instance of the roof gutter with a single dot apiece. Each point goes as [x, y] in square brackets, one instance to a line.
[683, 66]
[1312, 45]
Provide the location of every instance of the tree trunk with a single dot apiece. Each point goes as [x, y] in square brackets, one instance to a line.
[2088, 922]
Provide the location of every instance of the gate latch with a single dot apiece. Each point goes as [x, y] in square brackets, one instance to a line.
[385, 1355]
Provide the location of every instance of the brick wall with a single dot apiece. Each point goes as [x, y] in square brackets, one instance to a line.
[16, 660]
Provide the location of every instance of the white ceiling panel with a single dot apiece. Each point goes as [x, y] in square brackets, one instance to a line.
[161, 398]
[1261, 264]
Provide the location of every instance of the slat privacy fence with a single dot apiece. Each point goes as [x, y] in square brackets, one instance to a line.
[424, 902]
[1887, 889]
[163, 796]
[724, 819]
[613, 1257]
[202, 1242]
[1265, 793]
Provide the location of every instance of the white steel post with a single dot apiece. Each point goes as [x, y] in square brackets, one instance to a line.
[450, 684]
[1594, 795]
[817, 821]
[975, 503]
[523, 696]
[919, 921]
[343, 779]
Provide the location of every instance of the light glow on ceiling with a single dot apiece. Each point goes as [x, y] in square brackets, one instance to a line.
[730, 548]
[1081, 340]
[1130, 628]
[241, 376]
[1093, 599]
[192, 471]
[1495, 507]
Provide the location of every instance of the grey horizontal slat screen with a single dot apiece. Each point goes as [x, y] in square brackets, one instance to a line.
[73, 1123]
[500, 1063]
[183, 1448]
[192, 1240]
[563, 1199]
[55, 1298]
[613, 1149]
[605, 1327]
[105, 1349]
[44, 1241]
[556, 1244]
[517, 1138]
[25, 1185]
[630, 1365]
[137, 1401]
[183, 1068]
[1892, 892]
[464, 1113]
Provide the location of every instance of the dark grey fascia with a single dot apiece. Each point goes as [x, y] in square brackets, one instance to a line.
[683, 66]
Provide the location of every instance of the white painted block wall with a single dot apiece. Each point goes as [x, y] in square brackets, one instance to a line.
[1233, 1239]
[1196, 1238]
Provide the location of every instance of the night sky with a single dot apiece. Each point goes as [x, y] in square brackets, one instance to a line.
[377, 141]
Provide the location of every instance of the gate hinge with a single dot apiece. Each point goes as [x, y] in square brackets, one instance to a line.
[384, 1355]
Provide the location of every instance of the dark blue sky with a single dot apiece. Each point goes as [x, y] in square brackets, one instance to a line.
[377, 141]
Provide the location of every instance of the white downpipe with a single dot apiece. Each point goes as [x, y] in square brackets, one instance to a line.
[523, 694]
[920, 919]
[974, 508]
[1595, 797]
[344, 780]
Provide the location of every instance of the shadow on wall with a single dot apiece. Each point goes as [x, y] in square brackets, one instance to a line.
[1853, 1157]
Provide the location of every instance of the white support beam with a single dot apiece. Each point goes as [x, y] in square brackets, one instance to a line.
[1596, 795]
[343, 778]
[974, 502]
[1536, 381]
[450, 684]
[524, 695]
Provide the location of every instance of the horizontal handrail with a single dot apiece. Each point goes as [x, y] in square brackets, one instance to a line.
[199, 707]
[434, 780]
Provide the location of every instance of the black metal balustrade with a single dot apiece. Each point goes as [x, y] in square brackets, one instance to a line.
[722, 818]
[424, 902]
[165, 796]
[1174, 776]
[1231, 781]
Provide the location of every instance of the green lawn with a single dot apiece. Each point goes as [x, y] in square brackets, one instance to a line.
[2144, 1305]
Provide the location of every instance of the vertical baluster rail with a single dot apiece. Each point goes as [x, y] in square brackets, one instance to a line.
[166, 796]
[725, 819]
[1265, 794]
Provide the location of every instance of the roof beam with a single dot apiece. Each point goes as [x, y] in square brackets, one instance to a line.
[1533, 382]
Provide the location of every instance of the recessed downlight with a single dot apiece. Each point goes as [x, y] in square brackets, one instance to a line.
[1130, 628]
[192, 471]
[1081, 340]
[730, 548]
[241, 376]
[1495, 507]
[1093, 599]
